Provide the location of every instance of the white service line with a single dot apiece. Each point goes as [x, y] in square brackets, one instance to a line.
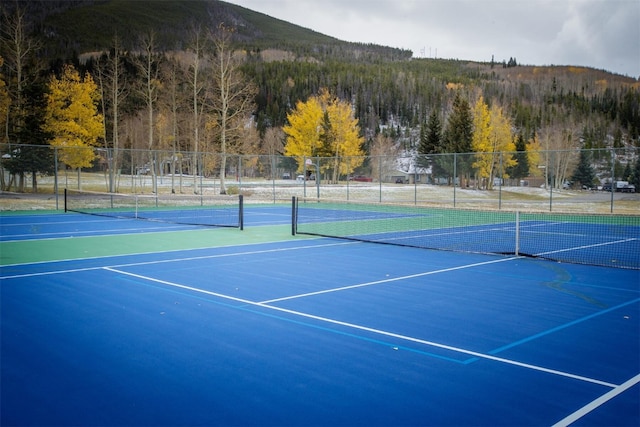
[372, 330]
[95, 233]
[598, 402]
[162, 261]
[595, 245]
[394, 279]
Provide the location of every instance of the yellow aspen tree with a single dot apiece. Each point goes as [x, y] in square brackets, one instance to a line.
[346, 142]
[492, 143]
[325, 126]
[481, 141]
[503, 142]
[72, 117]
[534, 156]
[303, 130]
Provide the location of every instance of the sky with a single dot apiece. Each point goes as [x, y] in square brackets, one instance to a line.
[603, 34]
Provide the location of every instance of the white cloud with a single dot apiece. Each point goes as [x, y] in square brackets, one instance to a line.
[597, 33]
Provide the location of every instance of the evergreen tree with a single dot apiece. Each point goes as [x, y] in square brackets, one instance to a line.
[459, 132]
[430, 144]
[458, 137]
[584, 173]
[635, 177]
[626, 175]
[432, 141]
[37, 156]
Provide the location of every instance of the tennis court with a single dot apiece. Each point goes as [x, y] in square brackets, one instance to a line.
[117, 321]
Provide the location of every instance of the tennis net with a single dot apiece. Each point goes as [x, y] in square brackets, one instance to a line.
[605, 240]
[216, 211]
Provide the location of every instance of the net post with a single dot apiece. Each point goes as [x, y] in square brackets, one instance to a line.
[293, 215]
[241, 212]
[517, 251]
[65, 200]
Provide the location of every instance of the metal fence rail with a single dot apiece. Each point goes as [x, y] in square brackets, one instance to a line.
[444, 179]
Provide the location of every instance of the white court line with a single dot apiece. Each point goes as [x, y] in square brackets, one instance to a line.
[427, 232]
[598, 402]
[587, 246]
[162, 261]
[95, 233]
[372, 330]
[394, 279]
[23, 224]
[447, 231]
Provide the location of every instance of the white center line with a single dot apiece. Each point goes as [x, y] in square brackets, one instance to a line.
[371, 330]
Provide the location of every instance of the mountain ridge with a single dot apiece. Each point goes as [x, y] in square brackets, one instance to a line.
[75, 27]
[87, 26]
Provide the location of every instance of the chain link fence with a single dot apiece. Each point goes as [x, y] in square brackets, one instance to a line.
[597, 181]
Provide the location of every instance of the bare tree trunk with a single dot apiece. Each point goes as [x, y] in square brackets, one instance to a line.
[149, 68]
[109, 75]
[233, 98]
[198, 92]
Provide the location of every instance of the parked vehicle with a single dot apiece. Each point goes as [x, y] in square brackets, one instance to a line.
[143, 170]
[625, 187]
[629, 189]
[619, 187]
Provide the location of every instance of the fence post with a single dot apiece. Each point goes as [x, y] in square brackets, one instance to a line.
[348, 175]
[455, 173]
[239, 174]
[318, 177]
[294, 217]
[517, 251]
[55, 175]
[552, 181]
[200, 171]
[415, 182]
[273, 175]
[380, 178]
[500, 178]
[241, 212]
[613, 174]
[304, 177]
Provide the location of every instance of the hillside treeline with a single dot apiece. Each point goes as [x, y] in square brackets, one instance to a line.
[405, 93]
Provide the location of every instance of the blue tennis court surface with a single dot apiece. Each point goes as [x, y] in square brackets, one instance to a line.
[262, 328]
